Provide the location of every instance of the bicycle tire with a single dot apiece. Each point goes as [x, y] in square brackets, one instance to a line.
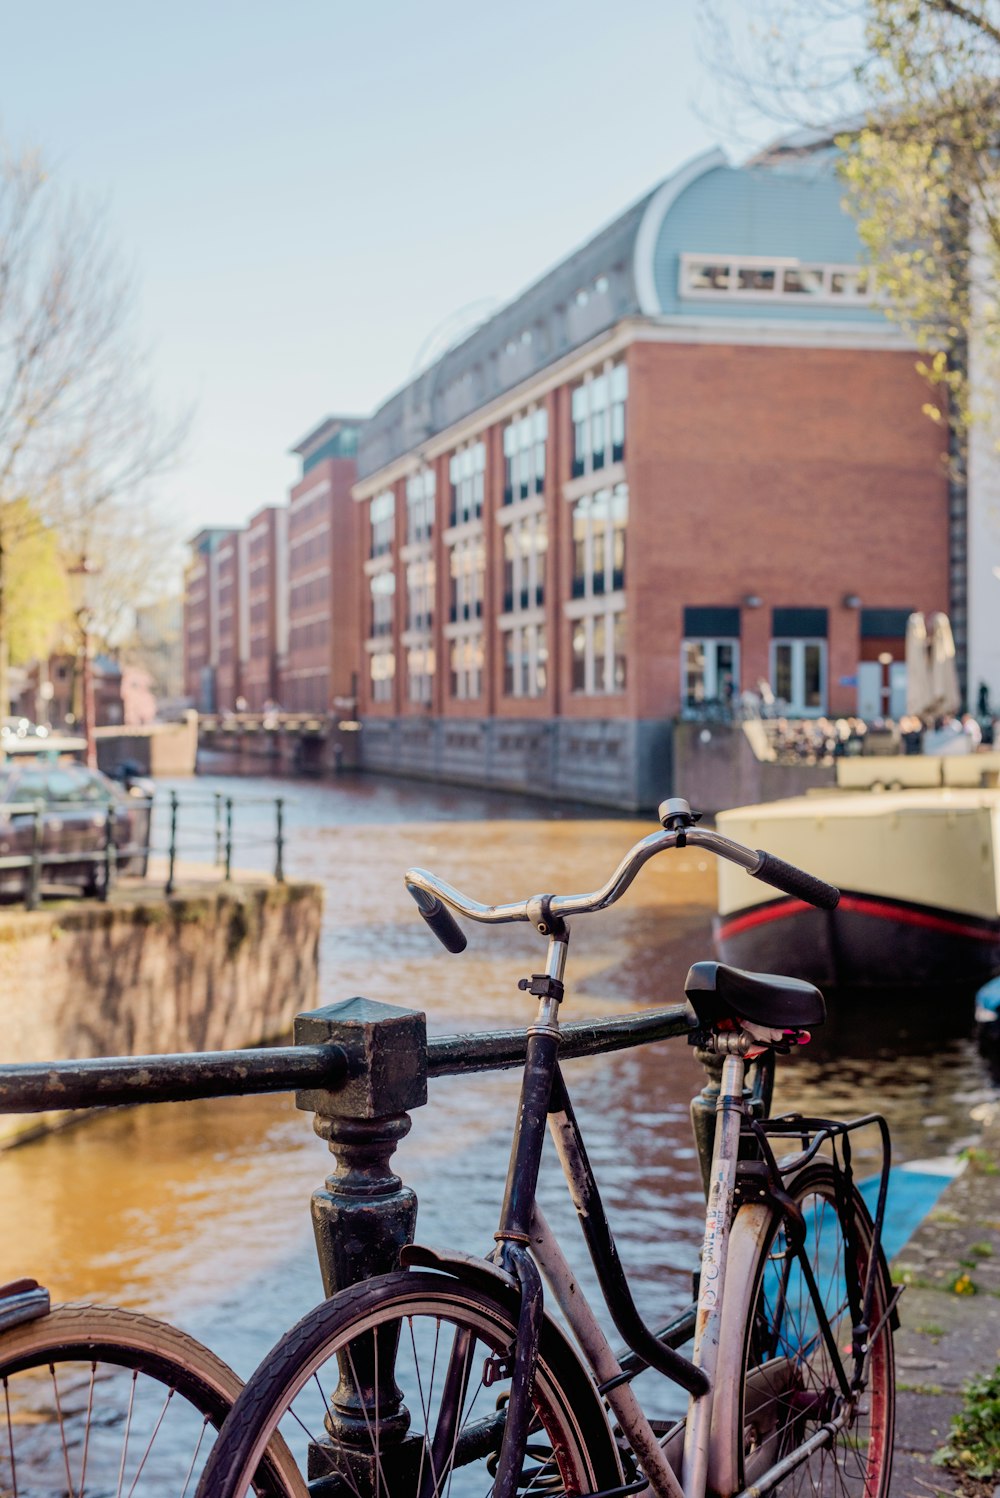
[109, 1399]
[574, 1449]
[775, 1384]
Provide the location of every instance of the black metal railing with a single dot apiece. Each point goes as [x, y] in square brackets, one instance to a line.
[204, 826]
[361, 1067]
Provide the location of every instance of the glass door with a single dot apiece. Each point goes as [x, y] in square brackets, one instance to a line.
[798, 675]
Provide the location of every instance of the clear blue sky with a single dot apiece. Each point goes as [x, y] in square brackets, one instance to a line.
[306, 191]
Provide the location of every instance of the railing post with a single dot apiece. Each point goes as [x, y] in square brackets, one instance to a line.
[364, 1214]
[172, 850]
[217, 798]
[110, 851]
[35, 869]
[279, 841]
[229, 838]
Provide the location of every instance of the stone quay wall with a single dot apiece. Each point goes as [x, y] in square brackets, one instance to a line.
[149, 974]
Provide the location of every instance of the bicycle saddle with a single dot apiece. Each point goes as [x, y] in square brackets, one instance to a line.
[718, 992]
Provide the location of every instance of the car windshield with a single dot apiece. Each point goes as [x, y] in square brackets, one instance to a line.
[68, 784]
[25, 786]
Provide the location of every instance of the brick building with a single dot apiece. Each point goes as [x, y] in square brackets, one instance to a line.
[323, 625]
[691, 458]
[232, 609]
[267, 606]
[201, 618]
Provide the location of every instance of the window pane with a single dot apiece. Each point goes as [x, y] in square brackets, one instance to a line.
[783, 672]
[619, 655]
[694, 672]
[707, 277]
[725, 670]
[813, 673]
[805, 279]
[580, 656]
[755, 278]
[600, 639]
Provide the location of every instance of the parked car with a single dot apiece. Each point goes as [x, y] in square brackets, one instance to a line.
[75, 804]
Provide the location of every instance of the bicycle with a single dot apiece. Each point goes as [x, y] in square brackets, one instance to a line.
[97, 1399]
[791, 1377]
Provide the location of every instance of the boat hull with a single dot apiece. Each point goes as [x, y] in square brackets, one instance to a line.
[868, 941]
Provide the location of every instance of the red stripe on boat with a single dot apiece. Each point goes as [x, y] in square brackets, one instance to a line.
[761, 917]
[907, 917]
[903, 915]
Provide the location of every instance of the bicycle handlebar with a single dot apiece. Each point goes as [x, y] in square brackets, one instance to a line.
[433, 895]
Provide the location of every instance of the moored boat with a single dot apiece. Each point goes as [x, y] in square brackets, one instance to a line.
[919, 873]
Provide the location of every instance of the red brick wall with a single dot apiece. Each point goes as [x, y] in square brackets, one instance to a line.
[322, 579]
[798, 475]
[259, 682]
[227, 675]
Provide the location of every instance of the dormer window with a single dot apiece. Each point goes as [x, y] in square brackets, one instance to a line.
[766, 279]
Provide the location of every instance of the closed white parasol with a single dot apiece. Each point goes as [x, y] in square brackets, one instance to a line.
[918, 671]
[944, 677]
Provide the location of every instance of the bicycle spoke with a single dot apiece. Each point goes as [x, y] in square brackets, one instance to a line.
[128, 1427]
[10, 1438]
[86, 1437]
[62, 1428]
[194, 1460]
[149, 1444]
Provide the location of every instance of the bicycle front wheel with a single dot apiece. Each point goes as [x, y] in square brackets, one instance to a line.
[778, 1382]
[98, 1400]
[399, 1385]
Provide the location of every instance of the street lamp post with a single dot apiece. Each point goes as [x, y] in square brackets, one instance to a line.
[81, 579]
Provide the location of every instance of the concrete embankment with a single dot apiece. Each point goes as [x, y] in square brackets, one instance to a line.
[947, 1336]
[207, 968]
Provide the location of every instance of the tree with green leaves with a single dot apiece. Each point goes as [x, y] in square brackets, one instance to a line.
[910, 92]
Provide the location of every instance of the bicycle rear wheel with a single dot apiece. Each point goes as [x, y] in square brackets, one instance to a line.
[97, 1400]
[398, 1386]
[777, 1383]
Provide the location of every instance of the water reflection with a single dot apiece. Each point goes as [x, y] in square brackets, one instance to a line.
[198, 1212]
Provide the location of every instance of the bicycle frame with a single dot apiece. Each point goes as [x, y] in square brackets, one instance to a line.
[524, 1234]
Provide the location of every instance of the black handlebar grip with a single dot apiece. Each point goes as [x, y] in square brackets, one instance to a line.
[793, 881]
[444, 925]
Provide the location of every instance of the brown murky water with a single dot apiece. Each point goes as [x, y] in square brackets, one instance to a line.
[199, 1212]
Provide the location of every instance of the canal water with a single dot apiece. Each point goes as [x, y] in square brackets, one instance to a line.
[199, 1212]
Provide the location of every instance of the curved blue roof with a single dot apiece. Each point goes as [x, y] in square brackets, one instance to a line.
[786, 203]
[762, 211]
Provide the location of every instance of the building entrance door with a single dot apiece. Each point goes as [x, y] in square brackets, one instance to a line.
[798, 674]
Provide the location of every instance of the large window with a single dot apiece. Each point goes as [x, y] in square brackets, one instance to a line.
[525, 544]
[382, 669]
[525, 660]
[420, 672]
[467, 666]
[468, 567]
[420, 595]
[383, 522]
[420, 489]
[599, 419]
[524, 442]
[468, 473]
[600, 522]
[598, 652]
[383, 598]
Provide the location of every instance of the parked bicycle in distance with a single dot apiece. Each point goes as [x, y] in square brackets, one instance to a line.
[449, 1376]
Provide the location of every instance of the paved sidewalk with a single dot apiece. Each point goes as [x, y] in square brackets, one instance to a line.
[945, 1338]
